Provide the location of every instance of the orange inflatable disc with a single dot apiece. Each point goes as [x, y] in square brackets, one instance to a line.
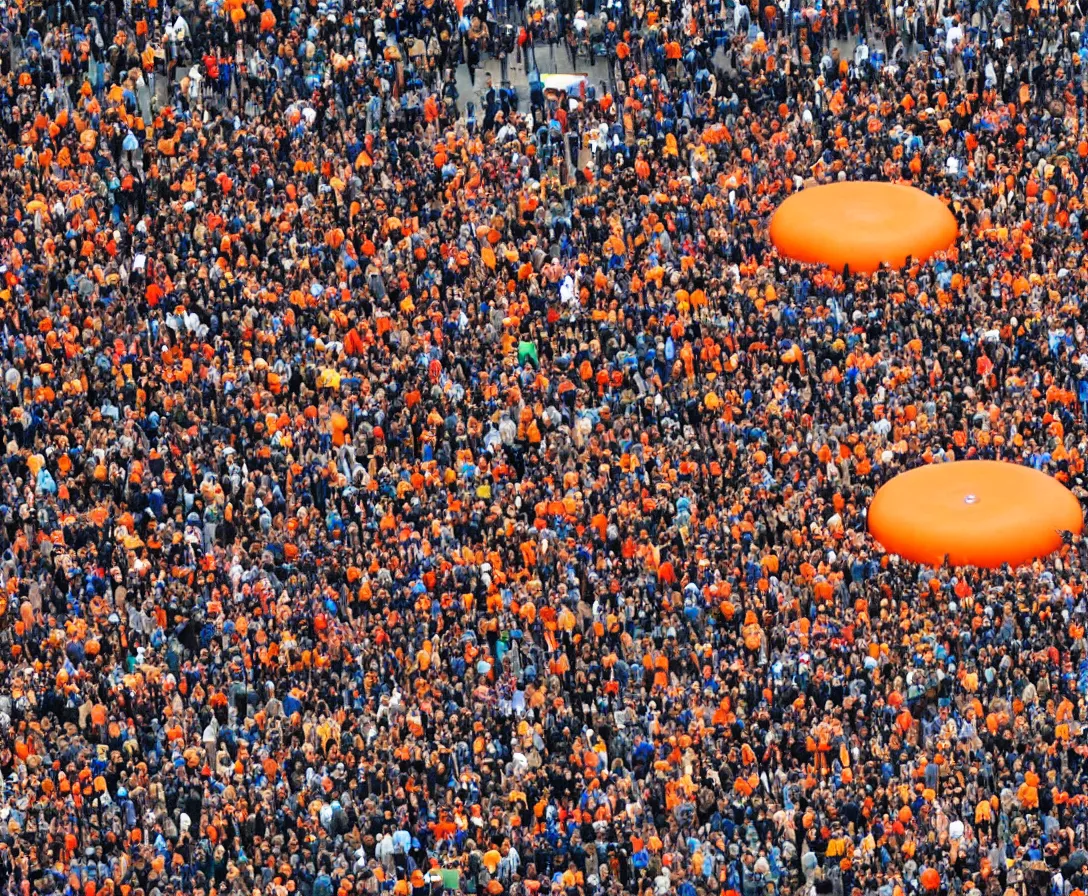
[981, 513]
[863, 225]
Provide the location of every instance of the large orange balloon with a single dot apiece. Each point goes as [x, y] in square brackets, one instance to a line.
[976, 512]
[863, 225]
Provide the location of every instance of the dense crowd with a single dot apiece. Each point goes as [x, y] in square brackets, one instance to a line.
[404, 490]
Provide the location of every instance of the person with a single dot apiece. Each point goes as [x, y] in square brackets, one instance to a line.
[476, 38]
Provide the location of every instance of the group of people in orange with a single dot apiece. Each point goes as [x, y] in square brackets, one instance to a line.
[399, 497]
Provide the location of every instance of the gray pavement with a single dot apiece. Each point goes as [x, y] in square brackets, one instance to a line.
[551, 60]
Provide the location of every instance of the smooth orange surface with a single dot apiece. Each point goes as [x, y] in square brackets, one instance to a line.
[977, 512]
[862, 225]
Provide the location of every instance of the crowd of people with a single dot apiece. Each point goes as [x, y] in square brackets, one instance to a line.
[405, 491]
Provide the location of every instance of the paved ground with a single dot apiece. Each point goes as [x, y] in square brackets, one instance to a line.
[553, 60]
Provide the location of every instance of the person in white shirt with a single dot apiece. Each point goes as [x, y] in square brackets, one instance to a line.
[861, 54]
[181, 28]
[196, 78]
[954, 35]
[383, 852]
[742, 19]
